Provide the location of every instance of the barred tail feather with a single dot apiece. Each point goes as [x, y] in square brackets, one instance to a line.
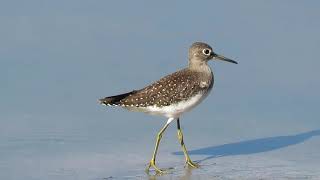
[115, 100]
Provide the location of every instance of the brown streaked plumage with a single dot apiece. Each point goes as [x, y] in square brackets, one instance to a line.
[171, 89]
[173, 94]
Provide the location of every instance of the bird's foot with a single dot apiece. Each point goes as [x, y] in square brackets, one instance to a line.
[153, 164]
[192, 164]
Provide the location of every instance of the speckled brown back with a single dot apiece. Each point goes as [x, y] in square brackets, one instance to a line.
[171, 89]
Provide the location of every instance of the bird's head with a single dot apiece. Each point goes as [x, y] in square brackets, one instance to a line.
[202, 52]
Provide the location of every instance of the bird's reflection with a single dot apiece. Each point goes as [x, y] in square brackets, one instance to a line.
[187, 174]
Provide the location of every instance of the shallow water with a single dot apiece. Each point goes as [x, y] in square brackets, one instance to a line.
[261, 120]
[122, 153]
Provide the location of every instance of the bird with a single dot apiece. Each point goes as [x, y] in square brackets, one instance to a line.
[173, 95]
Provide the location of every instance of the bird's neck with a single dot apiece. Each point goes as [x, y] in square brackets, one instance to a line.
[200, 66]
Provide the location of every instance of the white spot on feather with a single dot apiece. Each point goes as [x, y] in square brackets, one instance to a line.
[204, 84]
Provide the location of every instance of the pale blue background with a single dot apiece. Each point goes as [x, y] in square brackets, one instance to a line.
[58, 57]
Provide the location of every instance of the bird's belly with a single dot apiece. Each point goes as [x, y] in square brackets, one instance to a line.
[175, 110]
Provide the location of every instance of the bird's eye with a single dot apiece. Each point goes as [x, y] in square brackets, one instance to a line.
[206, 52]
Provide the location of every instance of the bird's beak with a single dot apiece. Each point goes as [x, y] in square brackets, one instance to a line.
[220, 57]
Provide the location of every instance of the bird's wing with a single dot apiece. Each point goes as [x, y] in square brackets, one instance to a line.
[170, 89]
[115, 100]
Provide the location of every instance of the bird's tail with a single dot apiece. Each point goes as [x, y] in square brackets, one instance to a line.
[115, 100]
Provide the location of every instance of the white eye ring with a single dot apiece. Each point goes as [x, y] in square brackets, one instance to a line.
[206, 52]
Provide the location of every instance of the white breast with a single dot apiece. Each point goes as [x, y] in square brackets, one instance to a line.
[175, 110]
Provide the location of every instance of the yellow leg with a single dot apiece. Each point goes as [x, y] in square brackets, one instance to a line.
[153, 160]
[184, 149]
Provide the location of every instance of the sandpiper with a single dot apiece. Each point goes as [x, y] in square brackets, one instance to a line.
[173, 95]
